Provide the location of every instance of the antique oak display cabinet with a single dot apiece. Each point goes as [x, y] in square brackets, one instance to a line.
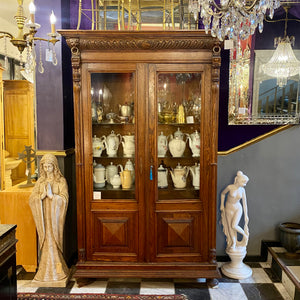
[146, 110]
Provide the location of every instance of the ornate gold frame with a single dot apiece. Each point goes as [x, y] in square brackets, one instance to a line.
[134, 8]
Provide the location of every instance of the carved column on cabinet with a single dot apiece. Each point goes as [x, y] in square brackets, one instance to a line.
[216, 63]
[78, 123]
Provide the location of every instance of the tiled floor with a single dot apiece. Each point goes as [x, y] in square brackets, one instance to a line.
[286, 267]
[263, 284]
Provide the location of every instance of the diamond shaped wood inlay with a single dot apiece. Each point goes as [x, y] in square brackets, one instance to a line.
[179, 233]
[114, 233]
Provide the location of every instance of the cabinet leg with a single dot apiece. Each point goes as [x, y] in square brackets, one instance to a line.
[84, 281]
[212, 283]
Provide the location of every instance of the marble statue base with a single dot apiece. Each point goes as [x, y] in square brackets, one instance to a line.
[56, 283]
[236, 268]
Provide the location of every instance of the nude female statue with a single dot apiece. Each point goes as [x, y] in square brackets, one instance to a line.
[232, 212]
[48, 202]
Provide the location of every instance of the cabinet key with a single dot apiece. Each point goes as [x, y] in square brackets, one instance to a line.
[151, 174]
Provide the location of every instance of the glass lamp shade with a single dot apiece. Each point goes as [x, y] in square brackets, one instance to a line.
[283, 64]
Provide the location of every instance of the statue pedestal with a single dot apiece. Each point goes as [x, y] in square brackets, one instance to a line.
[236, 268]
[57, 283]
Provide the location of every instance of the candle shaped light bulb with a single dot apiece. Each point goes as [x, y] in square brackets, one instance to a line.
[100, 95]
[52, 21]
[32, 11]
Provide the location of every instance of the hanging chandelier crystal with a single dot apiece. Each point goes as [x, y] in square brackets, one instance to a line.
[235, 19]
[26, 40]
[283, 64]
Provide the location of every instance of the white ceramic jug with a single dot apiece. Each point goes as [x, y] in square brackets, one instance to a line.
[194, 143]
[112, 142]
[98, 146]
[162, 145]
[99, 176]
[115, 181]
[177, 146]
[179, 175]
[162, 176]
[195, 171]
[128, 145]
[111, 171]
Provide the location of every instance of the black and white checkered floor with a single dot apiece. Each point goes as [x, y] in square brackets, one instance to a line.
[265, 283]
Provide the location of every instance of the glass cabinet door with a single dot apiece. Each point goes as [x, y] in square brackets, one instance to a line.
[178, 135]
[113, 135]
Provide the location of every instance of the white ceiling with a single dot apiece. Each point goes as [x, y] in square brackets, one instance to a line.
[8, 9]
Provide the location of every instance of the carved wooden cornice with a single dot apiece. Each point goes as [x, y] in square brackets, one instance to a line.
[138, 40]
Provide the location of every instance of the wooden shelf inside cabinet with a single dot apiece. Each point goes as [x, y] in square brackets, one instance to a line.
[107, 124]
[169, 156]
[172, 162]
[110, 188]
[171, 128]
[114, 157]
[108, 192]
[196, 124]
[176, 194]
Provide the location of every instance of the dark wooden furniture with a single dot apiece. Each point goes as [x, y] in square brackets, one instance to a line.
[145, 231]
[8, 275]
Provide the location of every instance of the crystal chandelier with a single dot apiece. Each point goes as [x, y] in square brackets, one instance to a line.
[235, 19]
[26, 40]
[283, 64]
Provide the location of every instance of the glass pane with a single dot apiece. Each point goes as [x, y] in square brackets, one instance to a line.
[258, 98]
[178, 140]
[113, 130]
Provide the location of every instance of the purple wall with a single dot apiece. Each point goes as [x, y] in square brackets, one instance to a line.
[85, 23]
[54, 104]
[49, 107]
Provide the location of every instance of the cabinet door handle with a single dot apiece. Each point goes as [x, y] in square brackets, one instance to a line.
[151, 173]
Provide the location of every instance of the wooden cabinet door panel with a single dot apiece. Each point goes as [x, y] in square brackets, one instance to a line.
[179, 236]
[114, 236]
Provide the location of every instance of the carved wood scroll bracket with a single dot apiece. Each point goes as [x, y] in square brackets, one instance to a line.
[73, 43]
[216, 62]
